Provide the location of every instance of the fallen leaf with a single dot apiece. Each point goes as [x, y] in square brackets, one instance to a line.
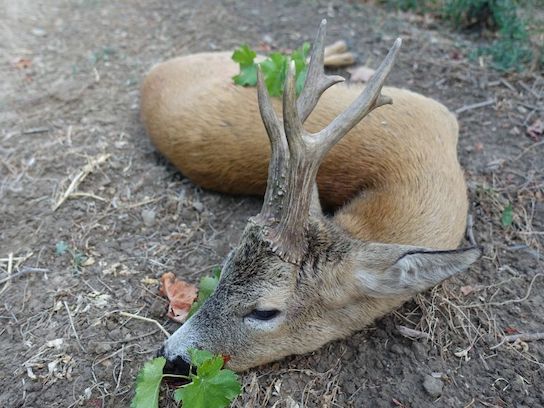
[180, 294]
[463, 354]
[88, 262]
[361, 73]
[398, 403]
[23, 63]
[536, 130]
[511, 330]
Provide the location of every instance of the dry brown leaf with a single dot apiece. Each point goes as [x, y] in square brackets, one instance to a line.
[361, 73]
[180, 294]
[23, 63]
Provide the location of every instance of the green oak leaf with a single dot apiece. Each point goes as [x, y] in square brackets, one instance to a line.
[148, 383]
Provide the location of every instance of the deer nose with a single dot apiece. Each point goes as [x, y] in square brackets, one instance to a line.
[177, 366]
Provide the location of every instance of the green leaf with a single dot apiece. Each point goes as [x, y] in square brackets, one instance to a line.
[244, 55]
[274, 70]
[300, 80]
[247, 76]
[216, 272]
[210, 367]
[213, 391]
[507, 216]
[199, 357]
[61, 247]
[299, 57]
[248, 69]
[148, 383]
[205, 289]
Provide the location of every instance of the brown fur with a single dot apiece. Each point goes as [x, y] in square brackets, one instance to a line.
[399, 164]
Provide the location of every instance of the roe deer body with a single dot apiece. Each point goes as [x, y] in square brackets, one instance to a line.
[299, 279]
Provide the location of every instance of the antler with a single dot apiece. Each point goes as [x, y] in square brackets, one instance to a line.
[296, 154]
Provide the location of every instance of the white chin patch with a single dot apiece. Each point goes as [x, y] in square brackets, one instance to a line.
[180, 342]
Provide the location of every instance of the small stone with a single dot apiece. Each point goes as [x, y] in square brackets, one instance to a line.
[433, 386]
[39, 32]
[101, 348]
[148, 216]
[158, 308]
[420, 351]
[198, 206]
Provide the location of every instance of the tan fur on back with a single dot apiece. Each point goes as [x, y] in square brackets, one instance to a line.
[394, 178]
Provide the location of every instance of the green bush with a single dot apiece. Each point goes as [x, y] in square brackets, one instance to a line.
[511, 47]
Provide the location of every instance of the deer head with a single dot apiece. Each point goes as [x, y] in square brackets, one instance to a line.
[297, 280]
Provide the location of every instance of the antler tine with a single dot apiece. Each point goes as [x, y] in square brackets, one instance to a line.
[316, 81]
[291, 193]
[368, 100]
[279, 153]
[291, 120]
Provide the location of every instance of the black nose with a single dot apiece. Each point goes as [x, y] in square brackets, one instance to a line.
[177, 366]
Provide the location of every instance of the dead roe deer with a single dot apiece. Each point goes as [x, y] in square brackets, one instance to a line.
[299, 279]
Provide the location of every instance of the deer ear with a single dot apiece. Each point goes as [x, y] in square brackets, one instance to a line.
[391, 270]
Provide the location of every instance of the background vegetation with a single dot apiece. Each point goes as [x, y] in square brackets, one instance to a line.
[512, 30]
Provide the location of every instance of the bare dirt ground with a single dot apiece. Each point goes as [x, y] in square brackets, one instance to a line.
[77, 168]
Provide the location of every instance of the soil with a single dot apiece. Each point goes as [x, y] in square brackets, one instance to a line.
[69, 111]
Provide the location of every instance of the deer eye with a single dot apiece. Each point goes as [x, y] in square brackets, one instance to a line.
[263, 314]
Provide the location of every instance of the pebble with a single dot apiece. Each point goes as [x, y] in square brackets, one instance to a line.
[101, 348]
[148, 216]
[198, 206]
[433, 386]
[39, 32]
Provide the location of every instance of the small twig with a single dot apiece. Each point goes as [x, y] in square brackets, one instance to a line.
[35, 130]
[90, 195]
[508, 85]
[411, 333]
[15, 258]
[145, 319]
[475, 106]
[521, 337]
[10, 268]
[73, 327]
[506, 302]
[24, 271]
[79, 177]
[528, 149]
[531, 91]
[121, 368]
